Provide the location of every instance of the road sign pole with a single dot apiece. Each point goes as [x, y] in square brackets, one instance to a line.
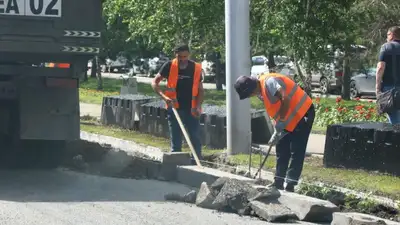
[237, 44]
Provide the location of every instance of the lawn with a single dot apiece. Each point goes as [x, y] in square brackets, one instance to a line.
[375, 183]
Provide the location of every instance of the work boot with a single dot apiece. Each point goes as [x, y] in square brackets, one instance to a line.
[289, 188]
[276, 185]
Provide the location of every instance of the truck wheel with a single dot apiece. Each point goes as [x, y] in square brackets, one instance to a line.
[43, 154]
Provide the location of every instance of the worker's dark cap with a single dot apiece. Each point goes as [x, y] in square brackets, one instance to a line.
[245, 86]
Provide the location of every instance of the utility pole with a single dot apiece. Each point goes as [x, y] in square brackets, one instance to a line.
[237, 44]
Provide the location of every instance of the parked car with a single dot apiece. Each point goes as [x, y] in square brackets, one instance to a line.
[329, 77]
[283, 66]
[154, 65]
[259, 65]
[120, 64]
[363, 83]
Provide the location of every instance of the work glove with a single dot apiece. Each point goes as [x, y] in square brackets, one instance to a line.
[279, 126]
[278, 133]
[276, 136]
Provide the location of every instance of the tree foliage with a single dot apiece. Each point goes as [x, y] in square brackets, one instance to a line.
[299, 28]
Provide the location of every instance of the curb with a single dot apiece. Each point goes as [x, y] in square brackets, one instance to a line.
[177, 166]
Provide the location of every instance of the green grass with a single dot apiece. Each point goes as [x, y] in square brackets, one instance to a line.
[375, 183]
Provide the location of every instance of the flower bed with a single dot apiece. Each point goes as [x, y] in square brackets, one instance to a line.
[341, 112]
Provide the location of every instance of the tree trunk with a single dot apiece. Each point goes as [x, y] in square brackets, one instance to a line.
[305, 83]
[85, 73]
[218, 75]
[94, 68]
[346, 76]
[99, 77]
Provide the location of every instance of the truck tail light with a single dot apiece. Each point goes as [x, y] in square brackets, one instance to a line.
[58, 65]
[339, 74]
[61, 82]
[63, 65]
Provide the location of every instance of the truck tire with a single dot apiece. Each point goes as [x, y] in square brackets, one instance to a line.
[41, 154]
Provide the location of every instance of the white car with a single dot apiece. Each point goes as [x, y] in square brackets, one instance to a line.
[259, 65]
[207, 70]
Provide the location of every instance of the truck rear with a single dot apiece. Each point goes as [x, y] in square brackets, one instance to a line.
[44, 47]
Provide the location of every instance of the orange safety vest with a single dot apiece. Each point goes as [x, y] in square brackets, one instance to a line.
[173, 81]
[300, 102]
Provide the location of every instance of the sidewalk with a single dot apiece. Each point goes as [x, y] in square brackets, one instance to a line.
[316, 142]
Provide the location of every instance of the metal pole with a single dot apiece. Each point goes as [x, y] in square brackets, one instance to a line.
[237, 44]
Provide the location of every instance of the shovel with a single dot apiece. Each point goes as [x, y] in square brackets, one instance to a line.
[266, 156]
[187, 137]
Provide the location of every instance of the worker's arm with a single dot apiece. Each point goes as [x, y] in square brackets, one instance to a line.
[380, 69]
[162, 74]
[201, 94]
[276, 89]
[155, 84]
[284, 103]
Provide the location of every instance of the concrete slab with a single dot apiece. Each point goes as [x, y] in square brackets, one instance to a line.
[129, 146]
[194, 175]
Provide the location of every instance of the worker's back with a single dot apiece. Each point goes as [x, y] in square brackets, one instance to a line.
[391, 57]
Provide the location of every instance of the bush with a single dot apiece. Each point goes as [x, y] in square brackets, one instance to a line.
[327, 114]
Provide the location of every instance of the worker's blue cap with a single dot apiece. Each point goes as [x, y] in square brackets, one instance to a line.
[245, 86]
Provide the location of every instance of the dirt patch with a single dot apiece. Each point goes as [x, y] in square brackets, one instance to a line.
[98, 159]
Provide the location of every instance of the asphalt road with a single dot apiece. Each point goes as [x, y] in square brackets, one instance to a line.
[60, 197]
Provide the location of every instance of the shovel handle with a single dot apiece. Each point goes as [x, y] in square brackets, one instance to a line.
[187, 137]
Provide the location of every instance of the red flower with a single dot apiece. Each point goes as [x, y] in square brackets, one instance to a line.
[368, 116]
[358, 107]
[338, 99]
[326, 109]
[358, 99]
[339, 109]
[317, 99]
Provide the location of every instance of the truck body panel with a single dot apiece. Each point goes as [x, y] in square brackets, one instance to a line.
[51, 27]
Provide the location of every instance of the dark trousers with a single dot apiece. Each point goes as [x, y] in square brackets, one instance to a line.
[192, 125]
[293, 146]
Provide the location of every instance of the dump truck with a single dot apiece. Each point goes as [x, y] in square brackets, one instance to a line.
[44, 49]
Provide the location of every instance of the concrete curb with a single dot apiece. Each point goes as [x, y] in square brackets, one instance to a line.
[193, 175]
[128, 146]
[188, 175]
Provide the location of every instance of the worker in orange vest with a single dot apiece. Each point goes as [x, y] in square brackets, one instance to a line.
[184, 92]
[293, 112]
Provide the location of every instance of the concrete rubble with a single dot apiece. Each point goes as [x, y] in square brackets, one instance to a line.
[272, 205]
[217, 190]
[269, 204]
[359, 219]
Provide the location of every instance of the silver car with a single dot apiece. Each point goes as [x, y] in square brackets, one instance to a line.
[363, 83]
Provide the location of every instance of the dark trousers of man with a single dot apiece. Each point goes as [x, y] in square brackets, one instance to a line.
[192, 125]
[293, 146]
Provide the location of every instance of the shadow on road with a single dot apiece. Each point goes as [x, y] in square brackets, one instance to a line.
[66, 186]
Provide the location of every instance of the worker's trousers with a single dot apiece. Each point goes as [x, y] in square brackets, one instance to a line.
[192, 125]
[292, 147]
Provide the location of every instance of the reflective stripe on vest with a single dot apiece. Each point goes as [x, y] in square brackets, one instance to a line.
[172, 82]
[300, 102]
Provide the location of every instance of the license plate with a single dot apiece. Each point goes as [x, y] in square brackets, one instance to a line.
[38, 8]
